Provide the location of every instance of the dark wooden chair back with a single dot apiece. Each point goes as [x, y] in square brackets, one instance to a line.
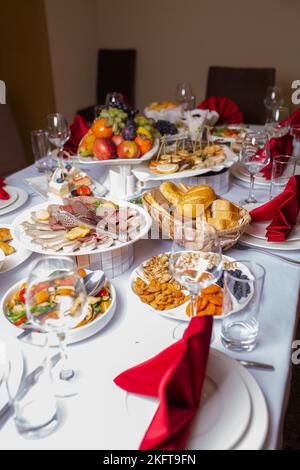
[12, 156]
[246, 86]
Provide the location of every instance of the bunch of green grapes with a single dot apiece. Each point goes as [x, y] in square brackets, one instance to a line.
[115, 118]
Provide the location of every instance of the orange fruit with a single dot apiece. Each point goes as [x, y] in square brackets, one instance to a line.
[100, 128]
[144, 144]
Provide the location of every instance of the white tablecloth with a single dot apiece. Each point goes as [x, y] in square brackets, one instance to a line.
[96, 417]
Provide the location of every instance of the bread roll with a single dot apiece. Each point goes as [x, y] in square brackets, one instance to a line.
[223, 205]
[171, 192]
[190, 210]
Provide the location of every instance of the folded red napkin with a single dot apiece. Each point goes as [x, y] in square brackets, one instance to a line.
[227, 109]
[294, 119]
[278, 146]
[282, 211]
[78, 130]
[4, 196]
[176, 377]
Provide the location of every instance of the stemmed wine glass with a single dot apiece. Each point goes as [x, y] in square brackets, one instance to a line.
[56, 301]
[185, 96]
[58, 133]
[277, 124]
[273, 98]
[254, 155]
[196, 259]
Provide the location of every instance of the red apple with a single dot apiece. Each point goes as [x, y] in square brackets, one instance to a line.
[128, 149]
[104, 148]
[117, 139]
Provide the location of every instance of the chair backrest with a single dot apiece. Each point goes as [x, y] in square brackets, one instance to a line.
[2, 92]
[12, 156]
[116, 72]
[246, 86]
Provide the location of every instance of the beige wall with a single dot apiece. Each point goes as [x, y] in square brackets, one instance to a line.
[178, 40]
[72, 35]
[25, 65]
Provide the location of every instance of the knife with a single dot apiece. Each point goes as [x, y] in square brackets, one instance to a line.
[256, 365]
[28, 381]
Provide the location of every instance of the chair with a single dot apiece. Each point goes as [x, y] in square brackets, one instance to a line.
[12, 156]
[115, 72]
[246, 86]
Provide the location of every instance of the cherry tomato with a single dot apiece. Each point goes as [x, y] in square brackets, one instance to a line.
[22, 295]
[103, 293]
[84, 191]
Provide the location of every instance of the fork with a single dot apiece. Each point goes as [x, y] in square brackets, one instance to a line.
[241, 247]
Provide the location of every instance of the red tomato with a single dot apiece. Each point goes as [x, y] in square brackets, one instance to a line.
[103, 293]
[84, 191]
[22, 295]
[21, 321]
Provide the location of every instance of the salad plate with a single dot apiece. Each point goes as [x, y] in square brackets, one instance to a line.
[99, 313]
[228, 134]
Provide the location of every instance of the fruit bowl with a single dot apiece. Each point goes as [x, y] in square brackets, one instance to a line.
[121, 161]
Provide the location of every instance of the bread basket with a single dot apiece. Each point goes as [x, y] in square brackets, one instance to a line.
[164, 220]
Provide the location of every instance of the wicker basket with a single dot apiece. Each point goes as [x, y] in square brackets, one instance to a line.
[165, 221]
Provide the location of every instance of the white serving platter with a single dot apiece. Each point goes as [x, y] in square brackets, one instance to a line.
[28, 243]
[121, 161]
[143, 173]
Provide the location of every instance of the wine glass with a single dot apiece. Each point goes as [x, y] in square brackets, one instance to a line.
[273, 97]
[58, 133]
[277, 124]
[254, 155]
[196, 259]
[185, 96]
[56, 301]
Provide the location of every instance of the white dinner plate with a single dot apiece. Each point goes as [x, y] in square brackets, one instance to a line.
[13, 197]
[143, 173]
[73, 336]
[121, 161]
[28, 243]
[14, 354]
[220, 423]
[22, 197]
[178, 313]
[255, 242]
[258, 230]
[16, 258]
[241, 174]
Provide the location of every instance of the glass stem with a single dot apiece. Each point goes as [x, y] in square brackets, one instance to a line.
[251, 189]
[66, 372]
[194, 304]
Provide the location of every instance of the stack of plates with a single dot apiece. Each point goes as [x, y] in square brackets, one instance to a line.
[18, 197]
[255, 235]
[232, 415]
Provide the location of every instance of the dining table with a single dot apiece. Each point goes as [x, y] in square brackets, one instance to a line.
[97, 417]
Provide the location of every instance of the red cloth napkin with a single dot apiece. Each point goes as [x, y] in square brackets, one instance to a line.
[176, 377]
[294, 119]
[282, 210]
[228, 110]
[78, 130]
[4, 196]
[278, 146]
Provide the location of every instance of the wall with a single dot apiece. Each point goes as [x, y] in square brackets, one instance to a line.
[178, 40]
[25, 65]
[72, 28]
